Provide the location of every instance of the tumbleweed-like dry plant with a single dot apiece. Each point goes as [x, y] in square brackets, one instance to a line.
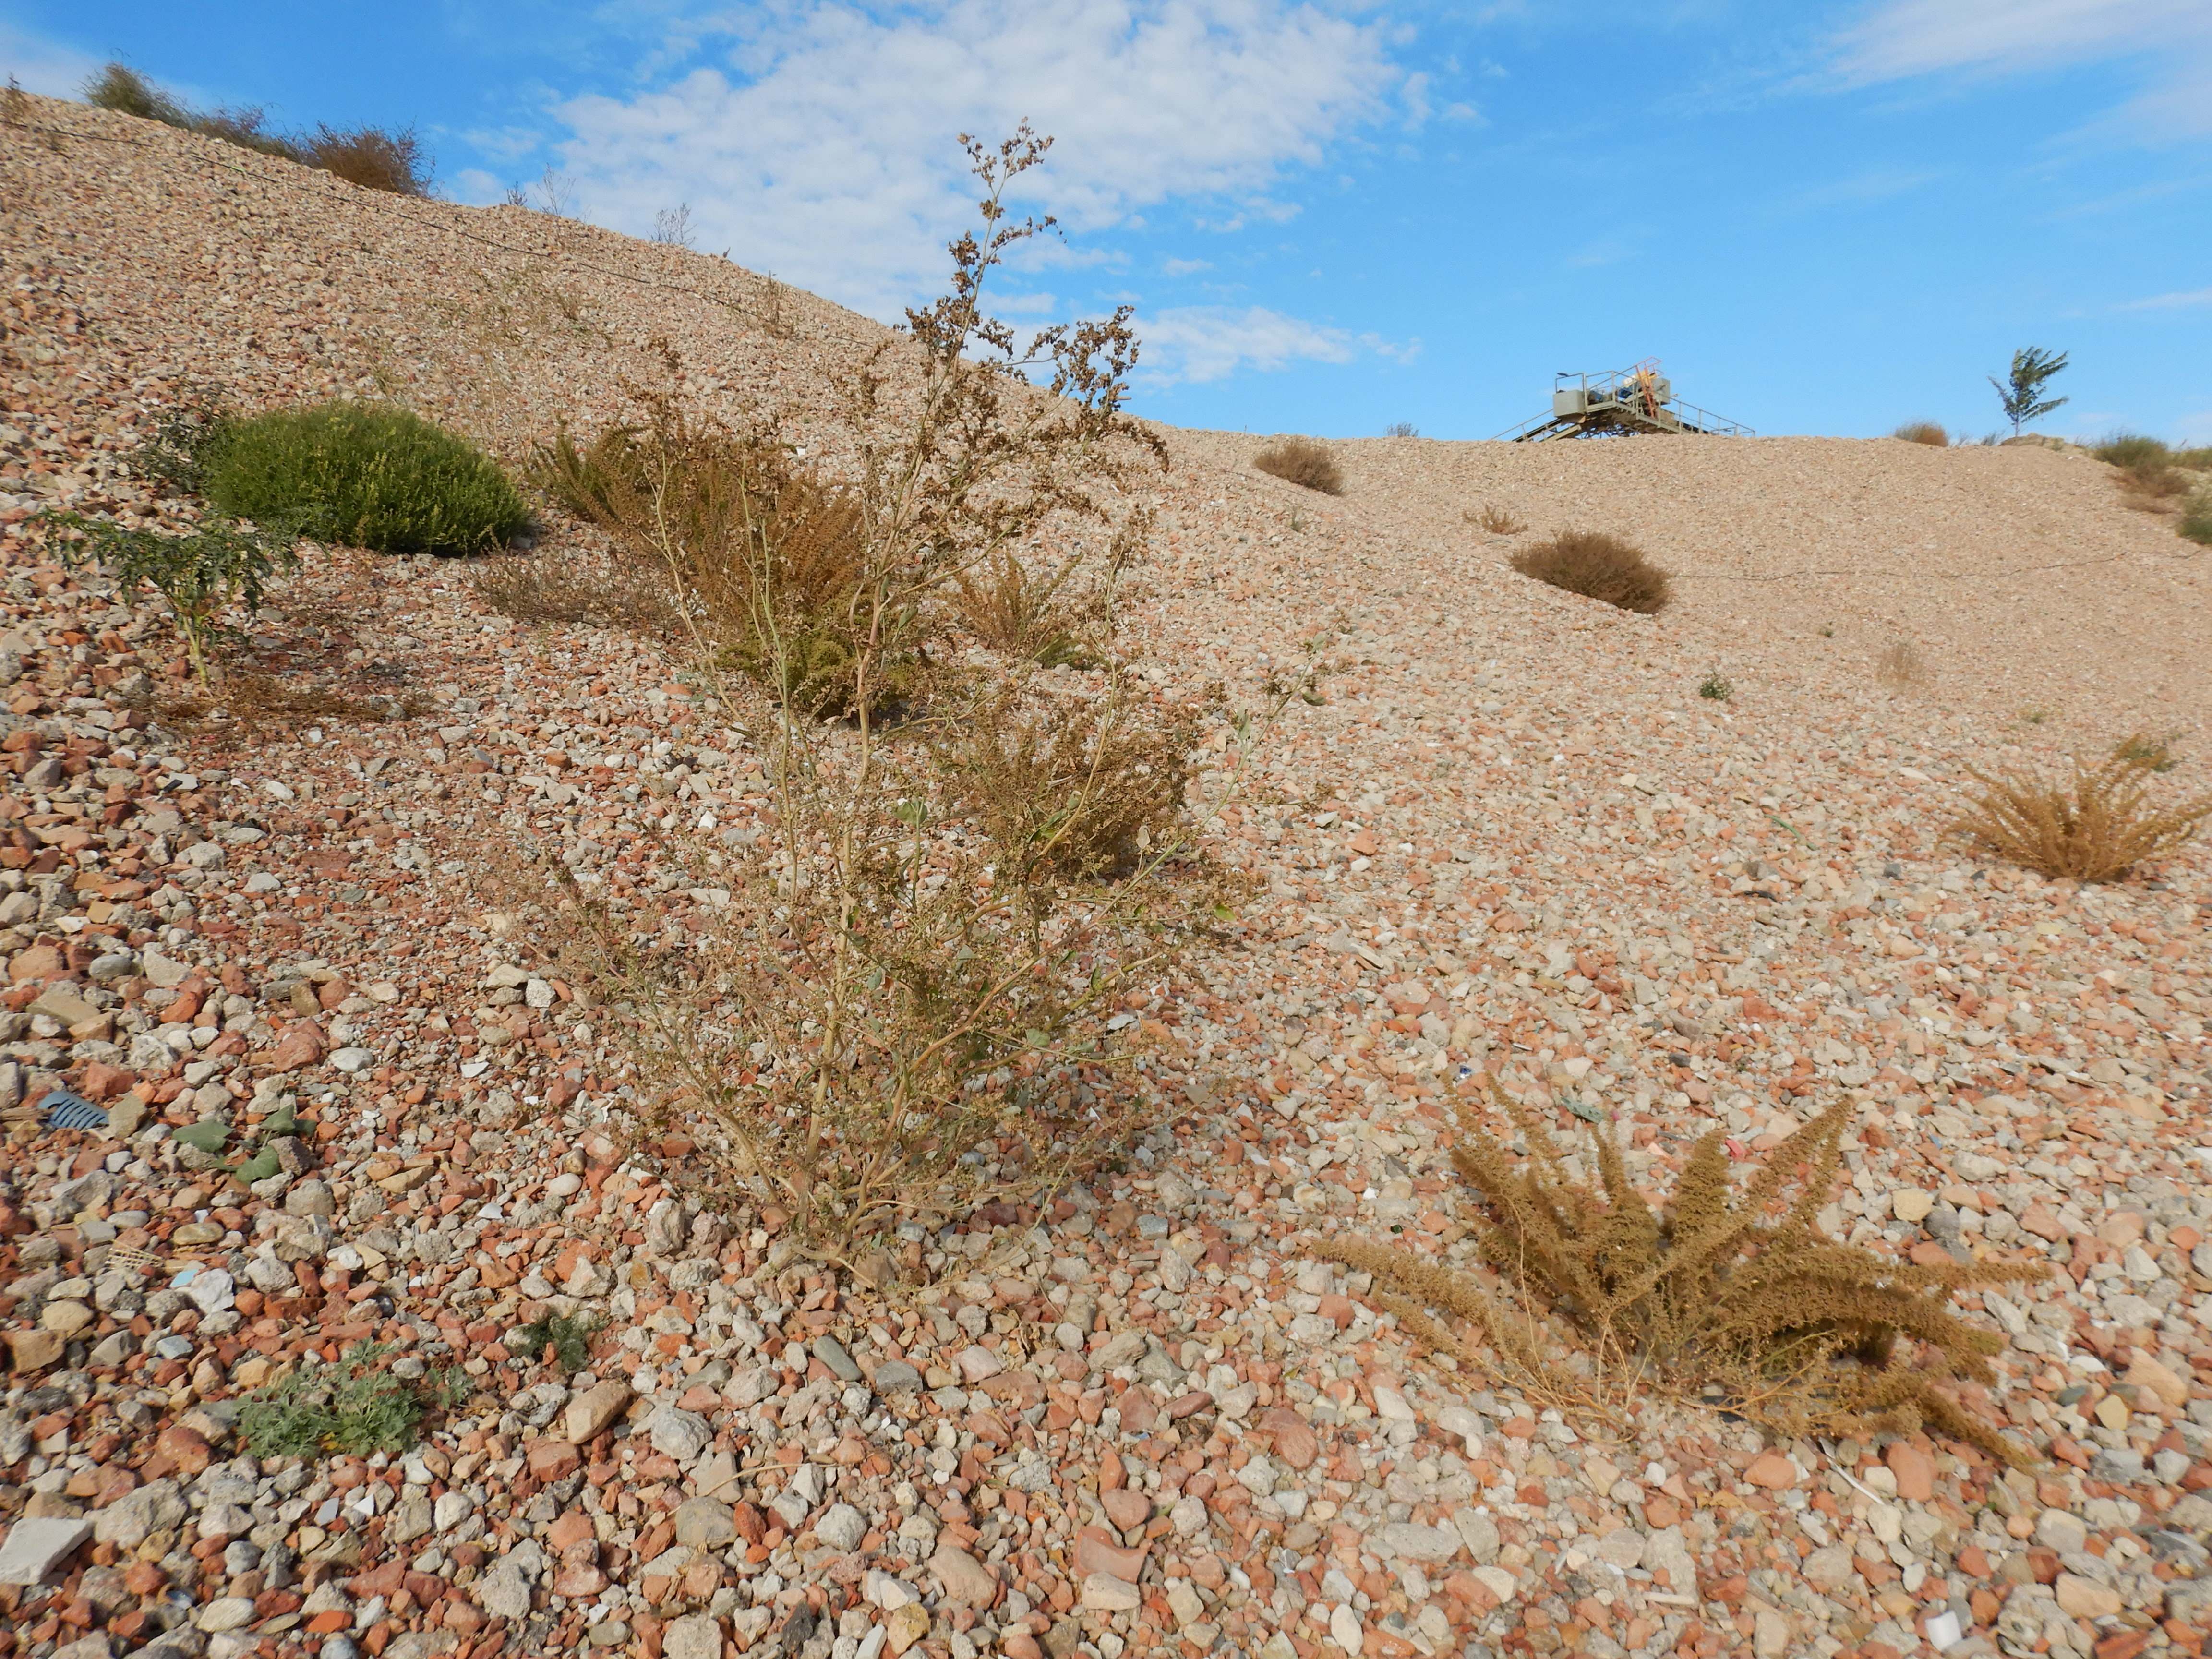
[1598, 566]
[1306, 462]
[1742, 1290]
[2096, 827]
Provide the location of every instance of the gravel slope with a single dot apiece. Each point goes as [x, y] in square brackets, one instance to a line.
[1514, 841]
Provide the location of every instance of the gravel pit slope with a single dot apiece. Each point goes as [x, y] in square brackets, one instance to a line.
[1514, 839]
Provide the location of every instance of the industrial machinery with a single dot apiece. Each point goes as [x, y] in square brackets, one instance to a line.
[1621, 402]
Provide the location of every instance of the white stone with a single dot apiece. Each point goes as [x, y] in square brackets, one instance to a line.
[1344, 1630]
[841, 1528]
[1104, 1593]
[36, 1545]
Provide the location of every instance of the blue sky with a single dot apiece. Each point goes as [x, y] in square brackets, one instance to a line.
[1826, 217]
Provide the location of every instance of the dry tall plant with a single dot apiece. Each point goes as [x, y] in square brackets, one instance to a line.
[1495, 519]
[895, 1004]
[1045, 618]
[1598, 566]
[1307, 462]
[1923, 432]
[2096, 826]
[1741, 1290]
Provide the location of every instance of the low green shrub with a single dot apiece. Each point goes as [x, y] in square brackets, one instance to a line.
[2197, 518]
[367, 475]
[357, 1406]
[2134, 452]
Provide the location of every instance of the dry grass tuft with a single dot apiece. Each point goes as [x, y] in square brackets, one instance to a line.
[1923, 432]
[1738, 1291]
[1043, 619]
[1067, 786]
[1306, 462]
[579, 590]
[761, 560]
[265, 702]
[1901, 668]
[1598, 566]
[1495, 519]
[2096, 827]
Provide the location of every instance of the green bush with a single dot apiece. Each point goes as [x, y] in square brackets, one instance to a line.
[367, 475]
[2133, 451]
[2197, 518]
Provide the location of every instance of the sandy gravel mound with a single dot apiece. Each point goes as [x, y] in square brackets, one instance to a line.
[1515, 842]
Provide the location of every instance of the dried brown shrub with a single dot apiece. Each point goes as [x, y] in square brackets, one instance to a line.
[895, 1001]
[762, 559]
[1069, 786]
[1923, 432]
[1738, 1291]
[1306, 462]
[1495, 519]
[373, 158]
[1042, 618]
[266, 702]
[2096, 826]
[1902, 668]
[577, 588]
[1598, 566]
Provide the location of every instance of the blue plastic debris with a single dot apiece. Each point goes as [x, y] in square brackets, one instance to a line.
[64, 1109]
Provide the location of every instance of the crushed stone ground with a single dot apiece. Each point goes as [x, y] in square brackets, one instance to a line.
[1515, 841]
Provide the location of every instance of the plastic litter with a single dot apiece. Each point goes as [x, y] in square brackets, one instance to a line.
[64, 1108]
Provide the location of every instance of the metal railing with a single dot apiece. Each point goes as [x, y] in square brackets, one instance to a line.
[1621, 400]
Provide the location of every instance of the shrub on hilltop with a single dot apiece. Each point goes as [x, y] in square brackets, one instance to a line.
[367, 475]
[372, 157]
[1923, 432]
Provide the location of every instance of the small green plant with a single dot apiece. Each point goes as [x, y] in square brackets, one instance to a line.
[200, 575]
[1923, 432]
[356, 1406]
[184, 434]
[2035, 716]
[1827, 630]
[2131, 452]
[564, 1342]
[1715, 688]
[2021, 392]
[2154, 754]
[367, 475]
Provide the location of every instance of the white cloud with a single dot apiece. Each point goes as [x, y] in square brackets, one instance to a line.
[1186, 343]
[1185, 267]
[1903, 39]
[42, 66]
[2186, 300]
[825, 153]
